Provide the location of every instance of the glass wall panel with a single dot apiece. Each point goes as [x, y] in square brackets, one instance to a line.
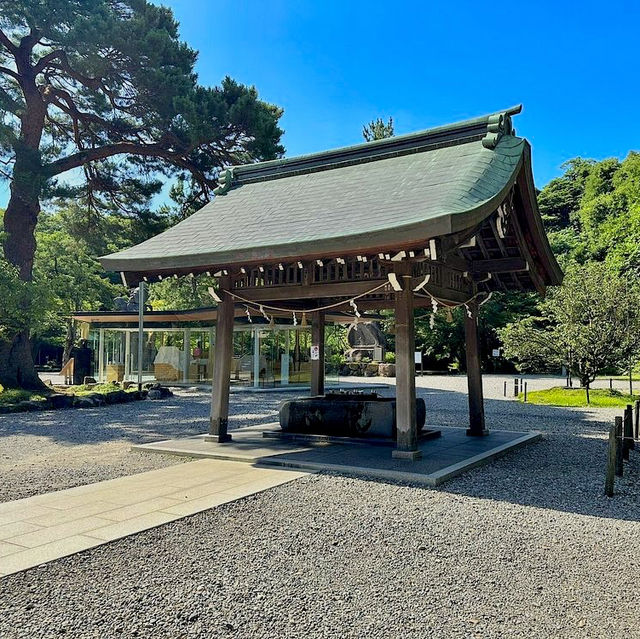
[242, 368]
[263, 356]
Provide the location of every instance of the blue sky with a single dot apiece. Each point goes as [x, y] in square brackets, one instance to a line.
[335, 65]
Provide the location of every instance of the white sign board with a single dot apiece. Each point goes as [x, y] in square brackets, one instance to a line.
[495, 352]
[315, 353]
[417, 357]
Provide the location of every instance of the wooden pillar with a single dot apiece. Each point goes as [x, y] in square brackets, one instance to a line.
[317, 365]
[101, 376]
[127, 354]
[141, 298]
[186, 363]
[222, 366]
[256, 356]
[407, 432]
[474, 372]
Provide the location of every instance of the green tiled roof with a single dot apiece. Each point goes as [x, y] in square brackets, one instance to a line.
[372, 195]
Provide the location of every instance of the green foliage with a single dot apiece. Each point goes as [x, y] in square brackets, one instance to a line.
[590, 323]
[20, 300]
[378, 130]
[389, 358]
[444, 342]
[577, 397]
[560, 199]
[117, 73]
[181, 294]
[592, 213]
[10, 396]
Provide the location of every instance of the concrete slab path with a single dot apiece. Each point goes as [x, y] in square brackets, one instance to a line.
[45, 527]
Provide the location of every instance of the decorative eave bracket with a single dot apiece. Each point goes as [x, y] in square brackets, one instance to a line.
[498, 125]
[225, 181]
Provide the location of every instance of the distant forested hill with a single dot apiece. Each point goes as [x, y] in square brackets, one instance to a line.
[592, 213]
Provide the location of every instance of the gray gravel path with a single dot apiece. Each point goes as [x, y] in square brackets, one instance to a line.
[525, 547]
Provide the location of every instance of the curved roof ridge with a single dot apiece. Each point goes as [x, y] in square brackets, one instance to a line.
[490, 126]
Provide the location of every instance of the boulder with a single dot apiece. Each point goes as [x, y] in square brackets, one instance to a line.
[126, 385]
[89, 380]
[115, 397]
[29, 405]
[60, 400]
[371, 370]
[387, 370]
[83, 402]
[97, 399]
[154, 393]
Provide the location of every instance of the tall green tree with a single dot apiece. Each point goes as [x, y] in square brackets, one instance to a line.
[104, 90]
[590, 323]
[378, 130]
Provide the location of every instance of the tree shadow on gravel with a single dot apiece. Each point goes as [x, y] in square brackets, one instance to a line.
[138, 422]
[563, 472]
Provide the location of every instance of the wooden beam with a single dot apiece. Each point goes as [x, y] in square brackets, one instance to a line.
[535, 276]
[474, 373]
[317, 365]
[222, 367]
[308, 291]
[501, 265]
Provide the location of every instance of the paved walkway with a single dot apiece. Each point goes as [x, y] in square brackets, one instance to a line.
[49, 526]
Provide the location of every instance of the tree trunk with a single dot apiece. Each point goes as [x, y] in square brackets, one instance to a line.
[16, 363]
[16, 359]
[69, 341]
[586, 387]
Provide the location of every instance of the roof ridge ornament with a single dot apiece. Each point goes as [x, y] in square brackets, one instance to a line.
[225, 181]
[498, 125]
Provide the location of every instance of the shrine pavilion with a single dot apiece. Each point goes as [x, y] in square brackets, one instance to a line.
[438, 218]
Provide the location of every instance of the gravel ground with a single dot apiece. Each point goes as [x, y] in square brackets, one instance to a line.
[53, 450]
[524, 547]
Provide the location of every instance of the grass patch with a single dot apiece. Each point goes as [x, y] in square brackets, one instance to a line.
[577, 397]
[83, 389]
[621, 378]
[11, 396]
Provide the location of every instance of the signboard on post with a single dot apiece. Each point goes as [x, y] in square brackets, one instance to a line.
[495, 352]
[417, 358]
[315, 353]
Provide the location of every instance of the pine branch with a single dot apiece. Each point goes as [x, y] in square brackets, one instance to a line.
[8, 45]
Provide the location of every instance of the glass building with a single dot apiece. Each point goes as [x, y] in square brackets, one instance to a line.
[178, 348]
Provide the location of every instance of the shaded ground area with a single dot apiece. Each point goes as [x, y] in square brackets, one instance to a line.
[52, 450]
[525, 547]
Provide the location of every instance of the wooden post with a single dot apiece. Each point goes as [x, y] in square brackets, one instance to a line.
[505, 388]
[619, 460]
[222, 366]
[611, 463]
[186, 363]
[636, 406]
[317, 365]
[101, 376]
[406, 429]
[256, 356]
[515, 385]
[628, 431]
[474, 373]
[127, 354]
[525, 392]
[141, 286]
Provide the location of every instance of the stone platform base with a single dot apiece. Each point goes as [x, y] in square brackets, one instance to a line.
[425, 434]
[443, 457]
